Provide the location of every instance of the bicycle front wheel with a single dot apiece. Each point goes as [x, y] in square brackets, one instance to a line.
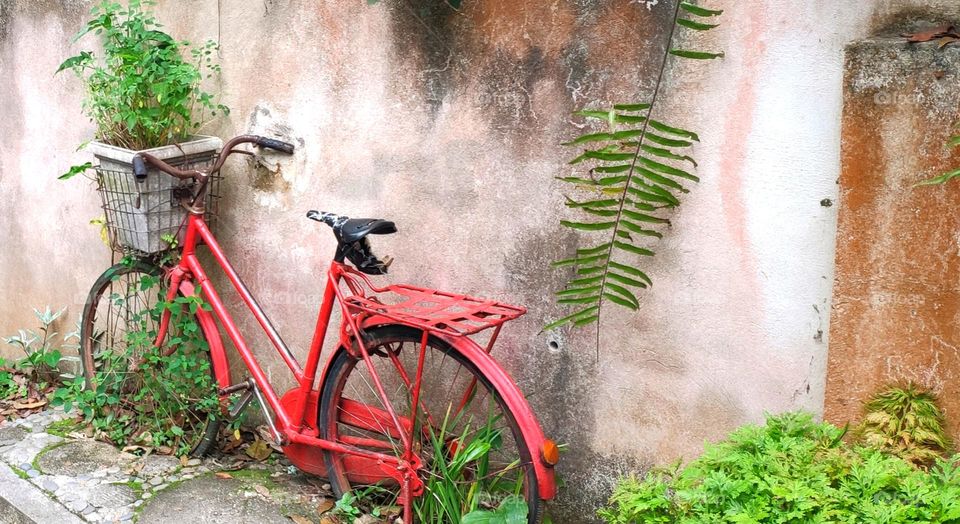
[167, 400]
[472, 452]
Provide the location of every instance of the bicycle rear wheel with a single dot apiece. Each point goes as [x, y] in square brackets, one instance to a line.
[470, 444]
[118, 327]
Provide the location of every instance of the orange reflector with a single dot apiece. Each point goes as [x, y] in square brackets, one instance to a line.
[550, 453]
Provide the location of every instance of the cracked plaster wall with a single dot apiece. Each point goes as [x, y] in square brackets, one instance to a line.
[448, 123]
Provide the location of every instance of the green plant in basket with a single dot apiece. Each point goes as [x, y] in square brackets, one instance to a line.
[142, 91]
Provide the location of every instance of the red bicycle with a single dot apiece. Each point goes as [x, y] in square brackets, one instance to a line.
[401, 402]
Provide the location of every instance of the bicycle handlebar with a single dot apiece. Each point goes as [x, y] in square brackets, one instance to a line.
[276, 145]
[140, 160]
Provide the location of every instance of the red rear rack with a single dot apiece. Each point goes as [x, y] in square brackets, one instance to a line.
[438, 311]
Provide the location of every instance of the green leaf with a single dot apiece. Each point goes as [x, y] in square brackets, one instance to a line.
[581, 314]
[580, 261]
[666, 153]
[578, 300]
[634, 228]
[592, 203]
[592, 137]
[572, 292]
[592, 113]
[667, 170]
[946, 177]
[577, 180]
[629, 133]
[631, 107]
[585, 281]
[594, 250]
[612, 180]
[624, 292]
[606, 213]
[80, 60]
[588, 226]
[612, 117]
[609, 157]
[620, 168]
[658, 190]
[698, 26]
[633, 249]
[625, 280]
[631, 271]
[75, 170]
[660, 179]
[650, 196]
[621, 301]
[667, 142]
[664, 128]
[643, 217]
[695, 55]
[699, 11]
[585, 321]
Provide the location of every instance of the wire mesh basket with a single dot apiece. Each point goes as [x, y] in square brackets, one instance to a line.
[141, 214]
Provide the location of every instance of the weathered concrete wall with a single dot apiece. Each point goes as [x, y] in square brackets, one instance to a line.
[448, 123]
[896, 301]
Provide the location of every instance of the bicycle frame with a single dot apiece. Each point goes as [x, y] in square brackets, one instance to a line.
[295, 412]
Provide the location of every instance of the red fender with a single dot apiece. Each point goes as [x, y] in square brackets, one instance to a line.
[511, 394]
[518, 405]
[218, 354]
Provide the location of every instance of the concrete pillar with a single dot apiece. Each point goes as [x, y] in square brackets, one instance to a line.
[896, 301]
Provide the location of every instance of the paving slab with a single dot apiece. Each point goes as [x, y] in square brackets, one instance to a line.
[224, 501]
[46, 479]
[12, 434]
[81, 457]
[23, 503]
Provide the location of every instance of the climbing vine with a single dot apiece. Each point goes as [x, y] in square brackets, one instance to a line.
[638, 168]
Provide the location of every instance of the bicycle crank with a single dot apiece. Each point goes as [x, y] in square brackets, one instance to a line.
[251, 391]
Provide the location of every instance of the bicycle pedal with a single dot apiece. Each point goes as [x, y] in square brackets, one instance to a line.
[241, 404]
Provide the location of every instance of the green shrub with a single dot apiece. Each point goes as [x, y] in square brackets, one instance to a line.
[792, 470]
[165, 404]
[41, 356]
[906, 422]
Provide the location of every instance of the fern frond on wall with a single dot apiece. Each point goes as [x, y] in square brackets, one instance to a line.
[638, 169]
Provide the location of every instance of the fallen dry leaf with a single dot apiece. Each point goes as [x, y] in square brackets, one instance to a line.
[233, 442]
[133, 448]
[259, 450]
[327, 520]
[29, 405]
[300, 520]
[931, 34]
[325, 505]
[262, 490]
[223, 475]
[183, 460]
[947, 40]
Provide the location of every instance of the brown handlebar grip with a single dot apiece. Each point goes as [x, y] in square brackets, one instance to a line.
[139, 168]
[274, 144]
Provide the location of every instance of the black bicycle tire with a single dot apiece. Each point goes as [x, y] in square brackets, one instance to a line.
[211, 431]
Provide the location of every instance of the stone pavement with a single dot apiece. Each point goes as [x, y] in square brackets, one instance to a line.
[51, 478]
